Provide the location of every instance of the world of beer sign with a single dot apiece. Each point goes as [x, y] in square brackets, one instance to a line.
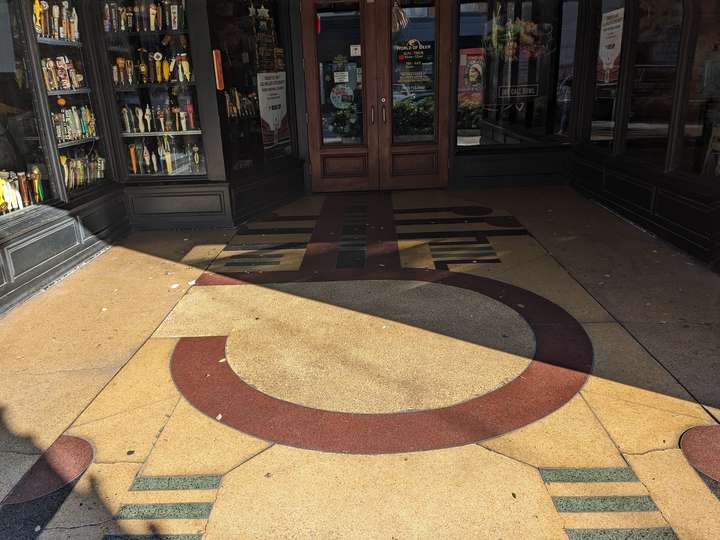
[519, 91]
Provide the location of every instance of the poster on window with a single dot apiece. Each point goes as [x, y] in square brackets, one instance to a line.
[471, 77]
[272, 98]
[611, 30]
[415, 63]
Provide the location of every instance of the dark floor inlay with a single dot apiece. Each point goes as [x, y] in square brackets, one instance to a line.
[594, 474]
[659, 533]
[610, 503]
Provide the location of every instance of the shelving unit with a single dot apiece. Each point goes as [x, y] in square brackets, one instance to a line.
[150, 65]
[67, 82]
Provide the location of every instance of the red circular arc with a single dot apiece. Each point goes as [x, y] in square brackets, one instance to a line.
[560, 367]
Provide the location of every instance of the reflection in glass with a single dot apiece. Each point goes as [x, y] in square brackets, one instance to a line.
[701, 146]
[340, 61]
[413, 71]
[516, 68]
[658, 44]
[608, 72]
[23, 173]
[253, 104]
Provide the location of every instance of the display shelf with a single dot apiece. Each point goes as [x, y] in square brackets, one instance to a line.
[59, 42]
[168, 84]
[77, 91]
[141, 33]
[79, 142]
[162, 133]
[66, 66]
[152, 76]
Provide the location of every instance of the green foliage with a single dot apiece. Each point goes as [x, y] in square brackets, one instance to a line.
[411, 117]
[469, 116]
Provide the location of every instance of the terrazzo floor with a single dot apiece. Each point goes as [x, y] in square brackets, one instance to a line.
[499, 363]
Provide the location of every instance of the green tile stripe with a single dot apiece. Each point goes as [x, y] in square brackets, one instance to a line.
[623, 503]
[165, 511]
[175, 483]
[152, 537]
[598, 474]
[661, 533]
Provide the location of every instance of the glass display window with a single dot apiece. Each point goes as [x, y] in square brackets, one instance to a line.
[609, 59]
[515, 71]
[700, 146]
[68, 86]
[653, 79]
[152, 71]
[24, 176]
[254, 88]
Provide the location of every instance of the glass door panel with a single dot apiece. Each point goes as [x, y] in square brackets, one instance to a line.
[339, 56]
[413, 71]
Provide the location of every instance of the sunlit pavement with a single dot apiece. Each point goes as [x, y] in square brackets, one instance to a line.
[499, 363]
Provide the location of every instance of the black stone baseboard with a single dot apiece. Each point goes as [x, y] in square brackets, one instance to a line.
[40, 246]
[669, 207]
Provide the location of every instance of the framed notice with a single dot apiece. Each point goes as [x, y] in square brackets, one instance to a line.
[272, 99]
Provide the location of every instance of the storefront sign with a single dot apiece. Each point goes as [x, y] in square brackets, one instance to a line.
[341, 76]
[272, 98]
[415, 53]
[519, 91]
[610, 45]
[415, 62]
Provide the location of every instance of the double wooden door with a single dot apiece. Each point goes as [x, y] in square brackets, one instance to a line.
[377, 76]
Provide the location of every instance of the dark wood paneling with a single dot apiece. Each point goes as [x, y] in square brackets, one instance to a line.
[588, 175]
[29, 253]
[344, 166]
[687, 216]
[205, 204]
[404, 164]
[684, 212]
[551, 164]
[99, 220]
[629, 190]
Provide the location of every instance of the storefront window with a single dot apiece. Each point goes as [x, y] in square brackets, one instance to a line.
[413, 62]
[701, 146]
[515, 71]
[253, 92]
[23, 173]
[608, 72]
[651, 101]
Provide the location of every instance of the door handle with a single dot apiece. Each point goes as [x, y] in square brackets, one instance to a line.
[384, 115]
[372, 115]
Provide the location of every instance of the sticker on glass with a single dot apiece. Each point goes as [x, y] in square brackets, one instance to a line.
[342, 96]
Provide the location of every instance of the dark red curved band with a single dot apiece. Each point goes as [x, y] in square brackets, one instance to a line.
[560, 367]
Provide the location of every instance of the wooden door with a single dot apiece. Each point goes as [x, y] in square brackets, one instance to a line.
[377, 76]
[414, 92]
